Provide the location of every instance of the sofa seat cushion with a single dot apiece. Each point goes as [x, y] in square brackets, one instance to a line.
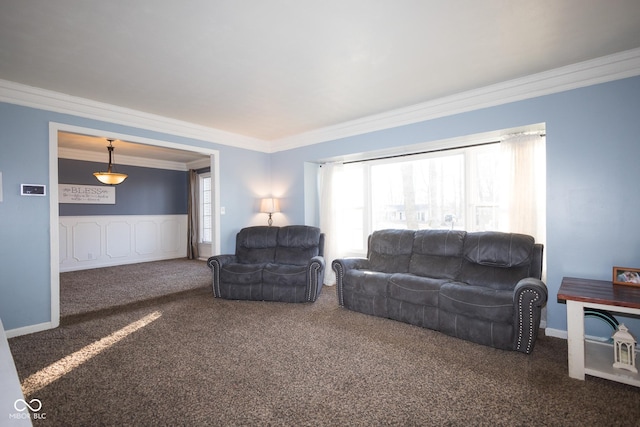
[415, 289]
[285, 275]
[477, 302]
[366, 282]
[241, 274]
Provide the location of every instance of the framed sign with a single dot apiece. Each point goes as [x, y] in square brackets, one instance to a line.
[87, 194]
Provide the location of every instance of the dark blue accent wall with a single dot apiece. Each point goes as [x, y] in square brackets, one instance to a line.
[147, 191]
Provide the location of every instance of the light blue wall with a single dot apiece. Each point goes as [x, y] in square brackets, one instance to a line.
[592, 189]
[593, 177]
[25, 298]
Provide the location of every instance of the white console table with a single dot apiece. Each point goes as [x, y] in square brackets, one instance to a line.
[588, 357]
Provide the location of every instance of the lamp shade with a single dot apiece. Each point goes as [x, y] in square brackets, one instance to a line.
[269, 205]
[110, 178]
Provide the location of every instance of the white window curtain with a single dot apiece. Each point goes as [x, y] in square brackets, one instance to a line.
[328, 190]
[524, 185]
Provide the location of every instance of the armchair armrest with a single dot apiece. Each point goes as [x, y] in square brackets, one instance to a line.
[221, 260]
[530, 295]
[341, 265]
[215, 263]
[315, 277]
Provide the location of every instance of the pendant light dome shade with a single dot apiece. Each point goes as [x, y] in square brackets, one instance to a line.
[109, 177]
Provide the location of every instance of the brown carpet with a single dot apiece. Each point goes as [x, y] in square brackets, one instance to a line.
[99, 288]
[205, 361]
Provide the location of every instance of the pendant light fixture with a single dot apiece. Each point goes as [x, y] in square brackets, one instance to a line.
[109, 177]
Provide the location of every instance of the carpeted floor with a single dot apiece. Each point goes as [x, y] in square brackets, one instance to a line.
[191, 359]
[103, 288]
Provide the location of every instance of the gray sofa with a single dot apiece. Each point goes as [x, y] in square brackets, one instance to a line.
[271, 264]
[483, 287]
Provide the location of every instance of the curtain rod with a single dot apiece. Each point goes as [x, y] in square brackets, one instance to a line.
[420, 152]
[394, 156]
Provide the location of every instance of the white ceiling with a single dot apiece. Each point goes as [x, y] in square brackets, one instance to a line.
[271, 69]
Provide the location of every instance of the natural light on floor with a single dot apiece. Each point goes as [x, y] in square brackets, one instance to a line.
[57, 370]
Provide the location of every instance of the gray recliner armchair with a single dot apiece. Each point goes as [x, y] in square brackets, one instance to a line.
[271, 264]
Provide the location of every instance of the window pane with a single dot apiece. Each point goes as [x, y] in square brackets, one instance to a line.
[453, 189]
[426, 193]
[351, 193]
[206, 221]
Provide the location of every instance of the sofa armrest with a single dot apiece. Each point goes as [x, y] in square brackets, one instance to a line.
[530, 295]
[221, 260]
[341, 265]
[315, 277]
[216, 263]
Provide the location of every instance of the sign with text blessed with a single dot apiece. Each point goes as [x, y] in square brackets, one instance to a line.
[89, 194]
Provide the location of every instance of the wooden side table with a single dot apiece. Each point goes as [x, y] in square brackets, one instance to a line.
[589, 357]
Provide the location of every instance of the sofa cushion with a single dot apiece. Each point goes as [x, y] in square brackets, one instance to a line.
[477, 302]
[390, 250]
[297, 244]
[256, 245]
[437, 253]
[285, 274]
[496, 260]
[497, 249]
[241, 274]
[367, 282]
[415, 289]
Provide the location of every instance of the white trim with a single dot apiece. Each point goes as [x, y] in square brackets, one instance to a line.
[29, 96]
[556, 333]
[92, 156]
[54, 226]
[54, 236]
[30, 329]
[600, 70]
[587, 73]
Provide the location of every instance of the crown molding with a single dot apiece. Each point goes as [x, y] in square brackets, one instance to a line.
[607, 68]
[29, 96]
[604, 69]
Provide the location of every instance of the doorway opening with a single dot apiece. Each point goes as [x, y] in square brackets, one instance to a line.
[93, 141]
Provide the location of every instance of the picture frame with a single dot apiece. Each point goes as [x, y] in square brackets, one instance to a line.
[626, 276]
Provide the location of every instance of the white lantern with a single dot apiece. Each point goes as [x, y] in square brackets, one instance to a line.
[624, 349]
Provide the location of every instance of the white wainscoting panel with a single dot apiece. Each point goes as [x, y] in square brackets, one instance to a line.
[108, 240]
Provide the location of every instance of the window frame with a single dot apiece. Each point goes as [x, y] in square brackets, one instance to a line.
[470, 196]
[203, 212]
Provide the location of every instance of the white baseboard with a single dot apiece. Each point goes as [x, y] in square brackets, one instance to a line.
[29, 329]
[556, 333]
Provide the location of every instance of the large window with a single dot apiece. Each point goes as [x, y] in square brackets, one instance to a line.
[205, 220]
[469, 188]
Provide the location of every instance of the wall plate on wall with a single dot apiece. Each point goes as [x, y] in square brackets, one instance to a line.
[33, 190]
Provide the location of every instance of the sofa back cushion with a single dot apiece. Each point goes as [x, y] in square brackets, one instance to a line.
[297, 244]
[437, 253]
[390, 250]
[256, 245]
[497, 260]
